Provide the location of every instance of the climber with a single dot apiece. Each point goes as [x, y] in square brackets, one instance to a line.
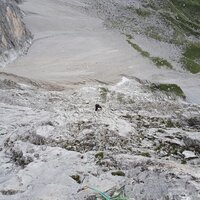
[98, 107]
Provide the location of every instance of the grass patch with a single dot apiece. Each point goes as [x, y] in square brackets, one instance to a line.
[193, 51]
[191, 54]
[191, 65]
[183, 162]
[183, 16]
[169, 148]
[178, 17]
[77, 178]
[129, 37]
[169, 124]
[99, 155]
[137, 48]
[145, 154]
[182, 24]
[152, 33]
[142, 12]
[159, 62]
[120, 98]
[103, 93]
[159, 147]
[168, 88]
[188, 9]
[118, 173]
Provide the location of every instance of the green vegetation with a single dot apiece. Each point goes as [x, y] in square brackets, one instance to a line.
[191, 55]
[169, 148]
[179, 23]
[193, 51]
[118, 173]
[188, 10]
[120, 97]
[76, 178]
[184, 18]
[99, 155]
[142, 12]
[183, 162]
[159, 147]
[139, 11]
[180, 15]
[169, 124]
[103, 93]
[129, 37]
[152, 33]
[181, 18]
[145, 154]
[136, 47]
[115, 23]
[168, 88]
[159, 62]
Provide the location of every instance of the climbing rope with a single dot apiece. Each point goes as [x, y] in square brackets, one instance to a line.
[104, 195]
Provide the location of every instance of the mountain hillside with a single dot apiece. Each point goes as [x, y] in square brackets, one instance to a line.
[166, 33]
[137, 62]
[174, 22]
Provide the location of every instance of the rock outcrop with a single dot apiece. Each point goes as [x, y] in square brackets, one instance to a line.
[15, 38]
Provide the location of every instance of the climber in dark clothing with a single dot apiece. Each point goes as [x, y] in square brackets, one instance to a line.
[97, 107]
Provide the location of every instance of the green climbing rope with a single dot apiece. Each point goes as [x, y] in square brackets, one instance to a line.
[106, 197]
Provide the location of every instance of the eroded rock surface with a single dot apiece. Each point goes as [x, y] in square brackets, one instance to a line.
[139, 140]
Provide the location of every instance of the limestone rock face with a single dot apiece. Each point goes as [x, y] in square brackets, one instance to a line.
[15, 38]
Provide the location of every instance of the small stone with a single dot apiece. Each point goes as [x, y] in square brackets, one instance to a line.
[36, 155]
[28, 160]
[31, 151]
[189, 154]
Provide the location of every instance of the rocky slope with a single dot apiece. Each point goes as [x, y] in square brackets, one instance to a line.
[54, 143]
[15, 38]
[144, 142]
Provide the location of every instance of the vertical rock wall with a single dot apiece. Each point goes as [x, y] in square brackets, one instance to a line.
[15, 38]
